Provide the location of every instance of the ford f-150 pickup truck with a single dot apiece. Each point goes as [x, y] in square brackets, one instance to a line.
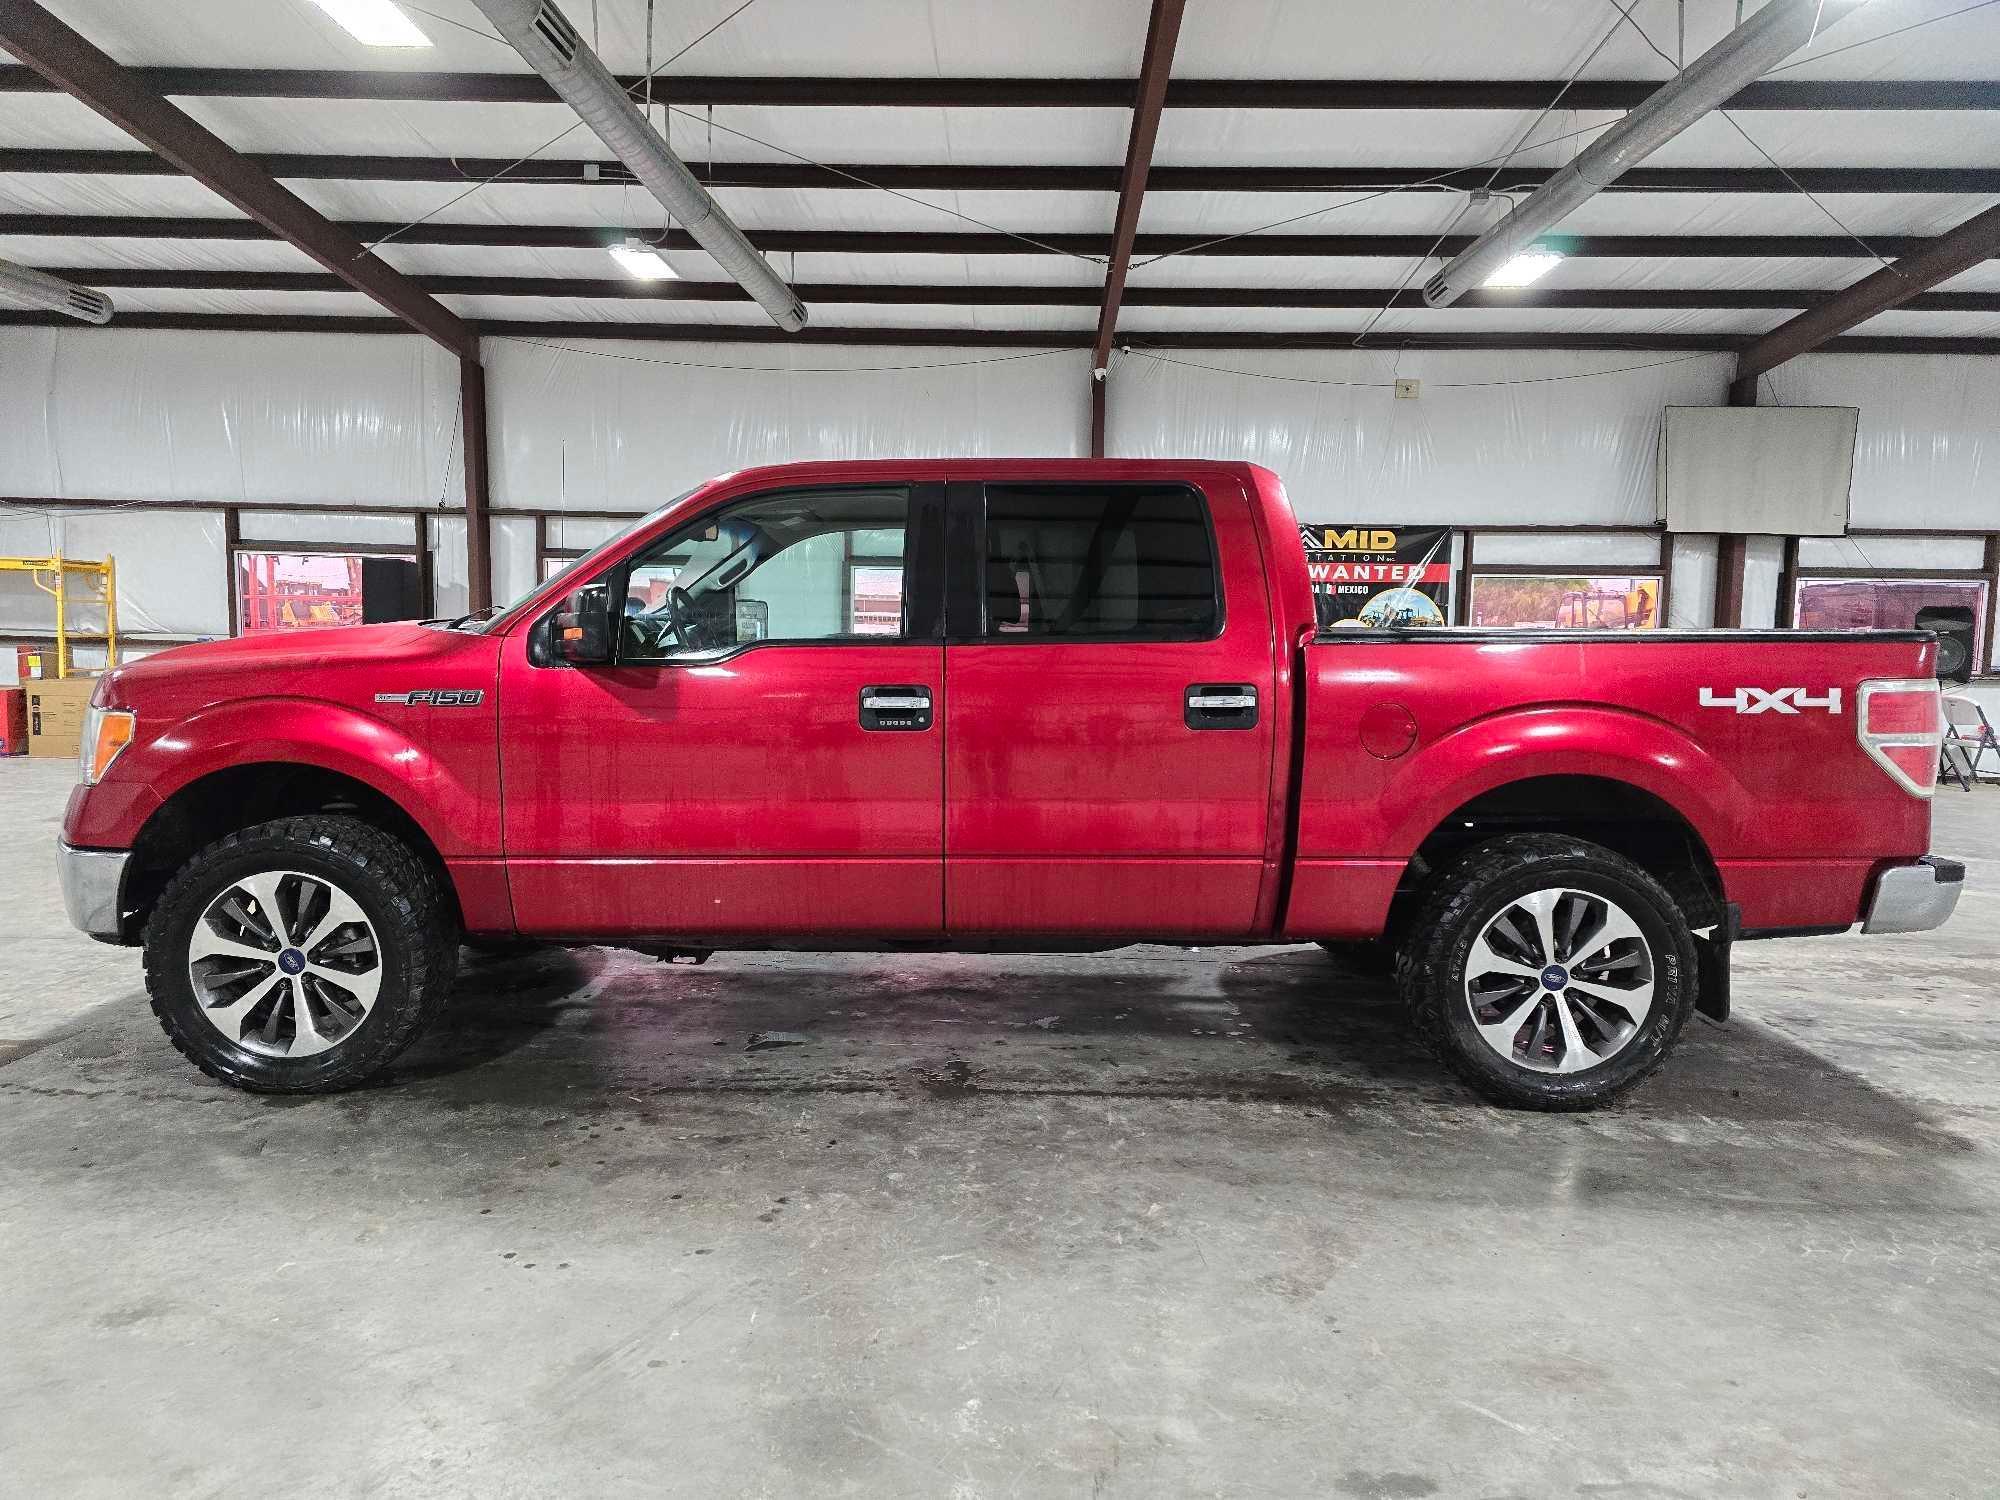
[996, 705]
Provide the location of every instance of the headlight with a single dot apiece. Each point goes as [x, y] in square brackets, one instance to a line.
[106, 731]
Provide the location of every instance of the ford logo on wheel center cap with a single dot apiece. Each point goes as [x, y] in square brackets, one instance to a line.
[1554, 977]
[292, 961]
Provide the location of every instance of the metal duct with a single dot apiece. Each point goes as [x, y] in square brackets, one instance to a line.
[1739, 59]
[543, 35]
[43, 290]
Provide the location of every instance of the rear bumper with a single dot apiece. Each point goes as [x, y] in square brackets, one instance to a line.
[1915, 897]
[92, 880]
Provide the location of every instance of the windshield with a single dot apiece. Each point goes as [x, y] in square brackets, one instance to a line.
[578, 567]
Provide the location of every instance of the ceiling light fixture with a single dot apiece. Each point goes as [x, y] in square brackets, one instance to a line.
[1530, 266]
[641, 260]
[379, 23]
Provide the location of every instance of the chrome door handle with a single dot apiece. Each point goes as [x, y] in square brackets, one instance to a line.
[1221, 705]
[904, 706]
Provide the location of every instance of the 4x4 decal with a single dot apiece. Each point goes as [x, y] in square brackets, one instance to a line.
[1784, 700]
[436, 697]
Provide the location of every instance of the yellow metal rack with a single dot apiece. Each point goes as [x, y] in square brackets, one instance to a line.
[99, 588]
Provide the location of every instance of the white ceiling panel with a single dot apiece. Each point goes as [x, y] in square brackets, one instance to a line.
[45, 121]
[1746, 273]
[613, 207]
[741, 133]
[1411, 39]
[1243, 39]
[746, 315]
[946, 270]
[1932, 325]
[1365, 137]
[1984, 277]
[177, 255]
[1567, 320]
[147, 197]
[1954, 46]
[1608, 213]
[853, 38]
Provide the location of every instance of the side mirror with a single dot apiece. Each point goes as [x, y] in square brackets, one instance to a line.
[582, 636]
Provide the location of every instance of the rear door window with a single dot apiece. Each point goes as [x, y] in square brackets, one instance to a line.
[1099, 562]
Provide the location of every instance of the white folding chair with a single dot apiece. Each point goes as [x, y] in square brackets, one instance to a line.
[1968, 736]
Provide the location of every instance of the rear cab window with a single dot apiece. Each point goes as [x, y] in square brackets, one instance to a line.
[1099, 563]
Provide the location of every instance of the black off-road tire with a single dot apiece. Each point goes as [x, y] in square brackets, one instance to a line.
[1430, 969]
[414, 927]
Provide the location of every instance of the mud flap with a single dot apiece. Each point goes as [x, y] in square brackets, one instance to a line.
[1712, 964]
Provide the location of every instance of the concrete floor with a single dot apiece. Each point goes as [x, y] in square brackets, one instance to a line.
[1154, 1225]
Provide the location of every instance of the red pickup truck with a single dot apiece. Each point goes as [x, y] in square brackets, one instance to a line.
[996, 705]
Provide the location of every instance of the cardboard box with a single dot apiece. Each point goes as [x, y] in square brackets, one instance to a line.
[13, 721]
[55, 714]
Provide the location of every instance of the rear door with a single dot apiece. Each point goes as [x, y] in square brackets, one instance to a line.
[1108, 720]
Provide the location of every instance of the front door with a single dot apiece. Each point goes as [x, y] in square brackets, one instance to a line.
[763, 761]
[1108, 737]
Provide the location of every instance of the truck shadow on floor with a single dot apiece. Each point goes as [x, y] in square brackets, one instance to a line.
[1287, 1027]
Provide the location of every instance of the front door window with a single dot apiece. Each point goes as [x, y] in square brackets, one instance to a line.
[815, 565]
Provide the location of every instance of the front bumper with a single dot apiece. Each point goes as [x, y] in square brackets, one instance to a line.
[1915, 898]
[92, 880]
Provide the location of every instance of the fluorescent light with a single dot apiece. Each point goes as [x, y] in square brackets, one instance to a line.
[379, 23]
[1529, 266]
[643, 261]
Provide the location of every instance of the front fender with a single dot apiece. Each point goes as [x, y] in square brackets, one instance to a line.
[393, 759]
[1565, 740]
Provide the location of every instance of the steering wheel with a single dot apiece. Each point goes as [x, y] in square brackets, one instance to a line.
[670, 627]
[680, 615]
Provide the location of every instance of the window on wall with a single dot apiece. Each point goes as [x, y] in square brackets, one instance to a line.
[305, 590]
[1566, 601]
[1832, 603]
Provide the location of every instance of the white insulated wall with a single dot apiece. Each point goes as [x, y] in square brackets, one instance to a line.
[321, 421]
[627, 426]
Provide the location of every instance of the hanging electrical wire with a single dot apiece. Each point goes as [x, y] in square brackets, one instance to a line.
[1776, 165]
[1441, 385]
[1444, 175]
[944, 341]
[556, 139]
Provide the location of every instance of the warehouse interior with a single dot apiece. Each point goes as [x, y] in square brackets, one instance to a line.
[388, 333]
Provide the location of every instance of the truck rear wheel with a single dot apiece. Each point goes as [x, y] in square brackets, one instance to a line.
[299, 956]
[1547, 972]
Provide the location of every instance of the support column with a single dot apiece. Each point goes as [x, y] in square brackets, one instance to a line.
[472, 433]
[1730, 558]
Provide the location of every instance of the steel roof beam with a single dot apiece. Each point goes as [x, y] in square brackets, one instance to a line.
[67, 60]
[737, 333]
[1163, 30]
[957, 294]
[864, 176]
[934, 242]
[1898, 285]
[1043, 93]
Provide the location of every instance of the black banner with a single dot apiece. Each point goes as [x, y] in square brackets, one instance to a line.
[1380, 575]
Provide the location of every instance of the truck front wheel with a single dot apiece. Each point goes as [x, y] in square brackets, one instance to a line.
[1547, 972]
[299, 956]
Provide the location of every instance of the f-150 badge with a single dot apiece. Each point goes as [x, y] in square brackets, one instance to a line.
[1784, 700]
[436, 697]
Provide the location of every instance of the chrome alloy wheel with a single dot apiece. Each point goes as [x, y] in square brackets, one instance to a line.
[285, 964]
[1559, 980]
